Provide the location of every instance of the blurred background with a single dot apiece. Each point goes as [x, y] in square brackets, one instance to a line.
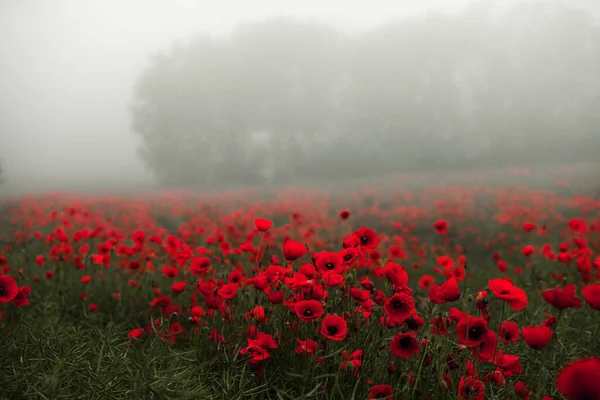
[136, 95]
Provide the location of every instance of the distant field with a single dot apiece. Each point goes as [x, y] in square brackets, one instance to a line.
[185, 295]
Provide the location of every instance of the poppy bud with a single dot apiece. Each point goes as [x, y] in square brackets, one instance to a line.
[470, 298]
[392, 368]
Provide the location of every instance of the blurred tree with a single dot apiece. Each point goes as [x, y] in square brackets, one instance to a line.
[239, 110]
[285, 100]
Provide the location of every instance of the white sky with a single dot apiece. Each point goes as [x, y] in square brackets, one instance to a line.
[67, 69]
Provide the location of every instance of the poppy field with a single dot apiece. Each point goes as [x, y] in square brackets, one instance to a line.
[470, 291]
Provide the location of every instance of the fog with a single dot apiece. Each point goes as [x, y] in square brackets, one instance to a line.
[85, 84]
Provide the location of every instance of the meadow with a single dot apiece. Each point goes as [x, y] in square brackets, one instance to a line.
[478, 289]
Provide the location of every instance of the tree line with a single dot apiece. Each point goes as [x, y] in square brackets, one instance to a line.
[285, 100]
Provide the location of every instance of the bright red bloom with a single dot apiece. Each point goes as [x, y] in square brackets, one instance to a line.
[505, 290]
[508, 363]
[135, 333]
[22, 297]
[471, 331]
[426, 281]
[509, 332]
[178, 287]
[404, 345]
[352, 360]
[399, 306]
[308, 310]
[445, 262]
[579, 380]
[263, 224]
[528, 251]
[162, 301]
[8, 288]
[334, 327]
[591, 294]
[380, 392]
[522, 391]
[171, 272]
[367, 236]
[577, 225]
[441, 227]
[344, 214]
[470, 388]
[486, 350]
[329, 261]
[537, 337]
[307, 346]
[528, 226]
[228, 291]
[396, 274]
[447, 291]
[200, 266]
[293, 250]
[562, 298]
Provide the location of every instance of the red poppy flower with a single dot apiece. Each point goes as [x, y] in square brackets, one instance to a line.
[332, 279]
[528, 226]
[537, 337]
[349, 255]
[162, 301]
[404, 345]
[399, 306]
[170, 272]
[135, 333]
[471, 388]
[293, 250]
[344, 214]
[441, 227]
[263, 224]
[329, 261]
[447, 291]
[426, 281]
[562, 298]
[200, 266]
[577, 225]
[22, 297]
[509, 332]
[228, 291]
[471, 330]
[522, 390]
[396, 252]
[396, 274]
[307, 346]
[445, 262]
[178, 287]
[367, 236]
[579, 379]
[352, 360]
[591, 294]
[528, 251]
[334, 327]
[486, 350]
[508, 363]
[505, 290]
[8, 289]
[308, 310]
[380, 392]
[502, 266]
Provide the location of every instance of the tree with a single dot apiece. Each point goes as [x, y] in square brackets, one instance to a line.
[239, 109]
[287, 101]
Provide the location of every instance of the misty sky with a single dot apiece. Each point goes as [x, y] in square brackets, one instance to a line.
[67, 70]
